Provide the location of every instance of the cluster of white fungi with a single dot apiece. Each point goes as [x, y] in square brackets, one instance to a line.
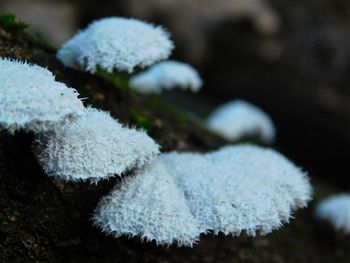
[170, 198]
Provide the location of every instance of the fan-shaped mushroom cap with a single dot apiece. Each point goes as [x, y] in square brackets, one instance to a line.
[116, 43]
[235, 189]
[93, 147]
[167, 75]
[336, 210]
[237, 119]
[32, 100]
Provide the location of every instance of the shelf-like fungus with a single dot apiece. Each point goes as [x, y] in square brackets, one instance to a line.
[32, 100]
[238, 119]
[150, 206]
[335, 210]
[116, 43]
[167, 75]
[93, 147]
[179, 196]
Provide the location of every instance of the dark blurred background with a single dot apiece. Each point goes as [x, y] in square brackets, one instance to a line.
[290, 57]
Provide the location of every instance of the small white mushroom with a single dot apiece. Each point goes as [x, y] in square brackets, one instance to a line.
[93, 147]
[238, 119]
[167, 75]
[32, 100]
[116, 43]
[235, 189]
[336, 210]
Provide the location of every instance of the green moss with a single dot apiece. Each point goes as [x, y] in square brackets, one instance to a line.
[316, 198]
[142, 119]
[181, 116]
[245, 141]
[41, 41]
[117, 79]
[8, 21]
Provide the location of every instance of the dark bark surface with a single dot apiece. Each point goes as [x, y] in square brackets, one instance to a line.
[42, 220]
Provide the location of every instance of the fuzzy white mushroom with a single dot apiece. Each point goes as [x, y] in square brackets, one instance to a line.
[150, 206]
[260, 180]
[336, 210]
[237, 119]
[167, 75]
[32, 100]
[116, 43]
[235, 189]
[93, 147]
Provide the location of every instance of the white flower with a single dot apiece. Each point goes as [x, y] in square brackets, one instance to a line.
[336, 210]
[167, 75]
[93, 147]
[233, 190]
[116, 43]
[238, 119]
[31, 99]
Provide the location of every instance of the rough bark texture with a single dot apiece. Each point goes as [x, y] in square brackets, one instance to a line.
[42, 220]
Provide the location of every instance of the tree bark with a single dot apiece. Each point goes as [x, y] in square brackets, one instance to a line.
[43, 220]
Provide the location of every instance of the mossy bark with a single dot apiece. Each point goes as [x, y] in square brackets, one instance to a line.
[42, 220]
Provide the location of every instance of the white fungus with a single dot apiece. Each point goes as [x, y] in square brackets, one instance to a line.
[238, 119]
[116, 43]
[32, 100]
[167, 75]
[336, 210]
[150, 206]
[93, 147]
[179, 196]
